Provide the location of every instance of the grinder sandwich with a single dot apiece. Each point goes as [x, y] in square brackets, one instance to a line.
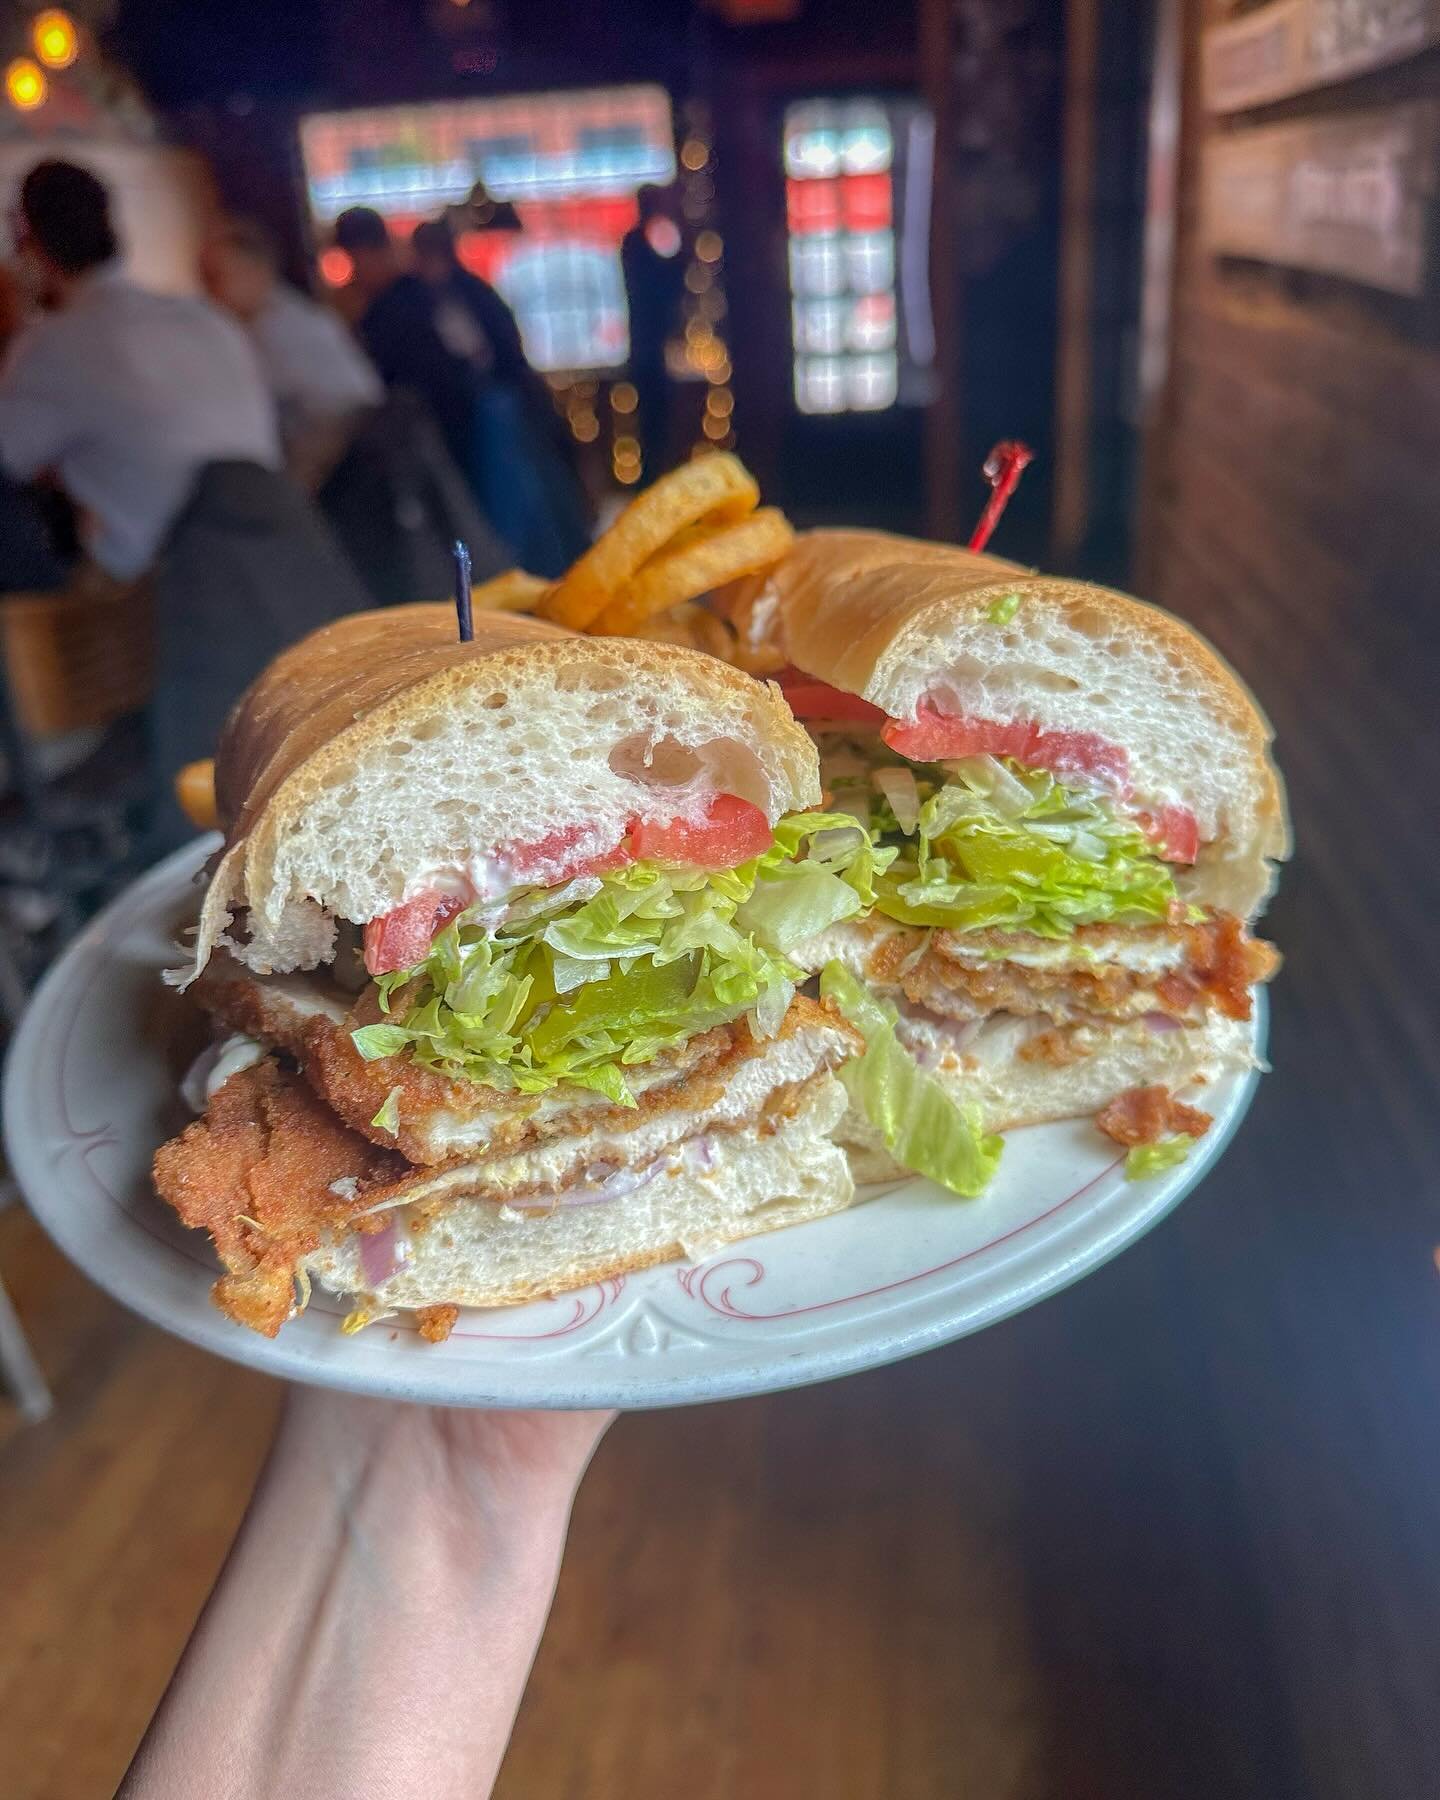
[505, 928]
[1084, 818]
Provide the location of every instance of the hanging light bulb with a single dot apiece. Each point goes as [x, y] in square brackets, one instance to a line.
[25, 84]
[56, 41]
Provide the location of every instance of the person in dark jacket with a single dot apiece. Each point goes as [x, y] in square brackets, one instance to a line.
[654, 283]
[527, 480]
[399, 329]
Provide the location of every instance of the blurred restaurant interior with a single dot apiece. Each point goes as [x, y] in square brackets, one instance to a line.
[1176, 1532]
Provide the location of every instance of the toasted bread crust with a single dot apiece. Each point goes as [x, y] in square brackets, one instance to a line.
[861, 609]
[349, 684]
[347, 694]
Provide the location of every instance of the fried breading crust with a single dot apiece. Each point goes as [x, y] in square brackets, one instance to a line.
[258, 1172]
[1144, 1115]
[691, 1076]
[938, 970]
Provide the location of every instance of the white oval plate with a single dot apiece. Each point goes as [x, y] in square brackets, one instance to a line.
[90, 1090]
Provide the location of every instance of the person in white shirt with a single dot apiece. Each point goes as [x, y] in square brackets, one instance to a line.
[320, 378]
[124, 395]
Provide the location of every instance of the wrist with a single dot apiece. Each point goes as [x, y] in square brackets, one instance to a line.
[499, 1482]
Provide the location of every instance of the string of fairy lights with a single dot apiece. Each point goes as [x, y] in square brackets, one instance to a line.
[706, 351]
[54, 43]
[699, 353]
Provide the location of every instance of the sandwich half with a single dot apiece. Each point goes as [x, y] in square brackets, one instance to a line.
[500, 932]
[1083, 815]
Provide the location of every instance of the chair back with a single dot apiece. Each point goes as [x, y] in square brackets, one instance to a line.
[79, 658]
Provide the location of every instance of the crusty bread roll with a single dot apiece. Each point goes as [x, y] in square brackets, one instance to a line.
[380, 748]
[475, 1253]
[898, 621]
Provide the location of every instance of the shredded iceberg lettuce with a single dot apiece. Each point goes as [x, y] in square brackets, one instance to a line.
[388, 1117]
[581, 982]
[1153, 1159]
[996, 844]
[923, 1125]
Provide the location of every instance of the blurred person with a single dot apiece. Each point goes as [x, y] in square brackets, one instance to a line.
[470, 315]
[480, 211]
[375, 1623]
[124, 395]
[526, 476]
[654, 283]
[398, 327]
[152, 411]
[320, 378]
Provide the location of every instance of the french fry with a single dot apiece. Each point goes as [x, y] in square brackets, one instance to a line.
[195, 792]
[694, 628]
[695, 568]
[717, 488]
[514, 591]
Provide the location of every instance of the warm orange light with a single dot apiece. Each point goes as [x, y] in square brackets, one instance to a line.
[623, 397]
[336, 267]
[56, 41]
[713, 427]
[694, 153]
[719, 372]
[709, 246]
[586, 427]
[25, 84]
[720, 401]
[626, 449]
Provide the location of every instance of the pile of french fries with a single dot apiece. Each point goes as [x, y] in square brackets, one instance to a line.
[691, 533]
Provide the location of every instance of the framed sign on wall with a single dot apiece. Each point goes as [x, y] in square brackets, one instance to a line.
[1350, 196]
[1292, 46]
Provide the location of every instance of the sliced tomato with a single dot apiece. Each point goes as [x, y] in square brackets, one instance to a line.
[402, 938]
[731, 832]
[1082, 753]
[1174, 832]
[556, 857]
[933, 736]
[811, 699]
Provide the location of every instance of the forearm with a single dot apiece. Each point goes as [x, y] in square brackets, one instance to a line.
[374, 1627]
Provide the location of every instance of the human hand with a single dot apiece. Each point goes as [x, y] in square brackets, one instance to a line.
[374, 1626]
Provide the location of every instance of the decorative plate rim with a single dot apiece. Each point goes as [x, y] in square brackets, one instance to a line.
[365, 1364]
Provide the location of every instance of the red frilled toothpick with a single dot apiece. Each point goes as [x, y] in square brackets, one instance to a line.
[1003, 468]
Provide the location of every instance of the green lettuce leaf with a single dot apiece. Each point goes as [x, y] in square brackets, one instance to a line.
[388, 1117]
[922, 1125]
[580, 983]
[1153, 1159]
[1001, 845]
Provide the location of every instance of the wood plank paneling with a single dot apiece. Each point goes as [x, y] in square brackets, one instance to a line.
[1293, 518]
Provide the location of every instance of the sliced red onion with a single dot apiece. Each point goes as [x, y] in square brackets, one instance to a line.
[699, 1154]
[383, 1252]
[898, 787]
[613, 1187]
[604, 1181]
[958, 1035]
